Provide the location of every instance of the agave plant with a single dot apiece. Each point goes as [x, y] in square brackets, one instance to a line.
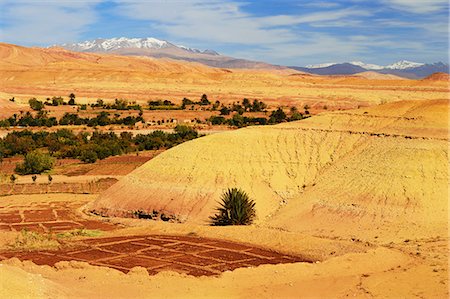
[236, 208]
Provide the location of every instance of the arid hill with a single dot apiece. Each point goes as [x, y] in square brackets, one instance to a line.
[37, 72]
[438, 77]
[380, 171]
[378, 76]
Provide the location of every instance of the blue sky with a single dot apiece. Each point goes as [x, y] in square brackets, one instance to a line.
[286, 32]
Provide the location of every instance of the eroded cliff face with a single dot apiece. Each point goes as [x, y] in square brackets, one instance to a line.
[353, 173]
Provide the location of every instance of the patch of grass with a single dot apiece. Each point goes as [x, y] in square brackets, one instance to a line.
[30, 241]
[79, 233]
[34, 241]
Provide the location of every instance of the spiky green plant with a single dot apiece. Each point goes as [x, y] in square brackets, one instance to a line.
[236, 208]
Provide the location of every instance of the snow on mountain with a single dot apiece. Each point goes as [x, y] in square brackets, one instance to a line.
[210, 52]
[189, 49]
[400, 65]
[367, 66]
[403, 64]
[118, 43]
[318, 66]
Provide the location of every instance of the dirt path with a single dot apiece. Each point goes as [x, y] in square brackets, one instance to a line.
[184, 254]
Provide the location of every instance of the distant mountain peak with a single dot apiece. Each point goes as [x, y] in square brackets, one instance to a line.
[115, 43]
[207, 51]
[157, 48]
[367, 66]
[399, 65]
[120, 43]
[403, 64]
[320, 65]
[403, 68]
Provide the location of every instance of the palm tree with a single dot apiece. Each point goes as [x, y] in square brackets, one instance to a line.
[236, 208]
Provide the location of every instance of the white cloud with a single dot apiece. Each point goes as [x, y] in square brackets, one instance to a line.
[45, 22]
[418, 6]
[282, 38]
[221, 22]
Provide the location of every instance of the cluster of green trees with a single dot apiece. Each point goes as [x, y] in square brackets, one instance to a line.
[35, 104]
[277, 116]
[202, 102]
[35, 162]
[27, 119]
[36, 146]
[54, 101]
[41, 119]
[119, 104]
[245, 106]
[162, 105]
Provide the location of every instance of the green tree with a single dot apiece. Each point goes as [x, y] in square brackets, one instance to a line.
[186, 132]
[246, 103]
[35, 162]
[224, 111]
[88, 156]
[35, 104]
[237, 120]
[258, 106]
[204, 100]
[71, 99]
[277, 116]
[236, 208]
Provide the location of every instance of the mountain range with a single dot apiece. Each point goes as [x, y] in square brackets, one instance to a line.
[403, 68]
[157, 48]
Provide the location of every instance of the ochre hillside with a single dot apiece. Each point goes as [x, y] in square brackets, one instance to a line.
[37, 72]
[438, 77]
[371, 172]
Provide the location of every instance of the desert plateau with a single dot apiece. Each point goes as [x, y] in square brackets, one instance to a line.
[143, 168]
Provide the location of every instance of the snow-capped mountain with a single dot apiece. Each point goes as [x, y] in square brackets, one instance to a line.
[403, 68]
[321, 65]
[120, 43]
[157, 48]
[399, 65]
[403, 64]
[367, 66]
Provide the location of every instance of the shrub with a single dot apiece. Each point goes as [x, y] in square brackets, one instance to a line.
[71, 99]
[236, 208]
[35, 162]
[277, 116]
[88, 156]
[35, 104]
[217, 120]
[224, 111]
[186, 132]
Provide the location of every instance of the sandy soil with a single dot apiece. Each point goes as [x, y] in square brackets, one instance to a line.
[376, 272]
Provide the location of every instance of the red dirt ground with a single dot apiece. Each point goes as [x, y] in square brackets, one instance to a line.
[190, 255]
[184, 254]
[51, 217]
